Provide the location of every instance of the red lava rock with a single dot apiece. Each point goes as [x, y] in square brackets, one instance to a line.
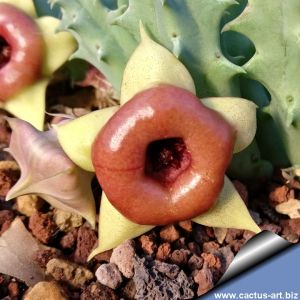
[8, 177]
[280, 194]
[248, 235]
[64, 270]
[226, 257]
[210, 232]
[163, 251]
[2, 279]
[104, 256]
[160, 280]
[68, 241]
[204, 279]
[271, 227]
[43, 256]
[186, 225]
[5, 226]
[170, 270]
[233, 234]
[5, 132]
[122, 256]
[199, 234]
[236, 245]
[42, 226]
[194, 248]
[13, 289]
[180, 244]
[242, 190]
[211, 260]
[195, 262]
[209, 247]
[6, 217]
[291, 229]
[148, 244]
[169, 234]
[97, 291]
[129, 290]
[109, 275]
[86, 240]
[180, 257]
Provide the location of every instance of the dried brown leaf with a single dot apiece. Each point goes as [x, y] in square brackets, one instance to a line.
[17, 250]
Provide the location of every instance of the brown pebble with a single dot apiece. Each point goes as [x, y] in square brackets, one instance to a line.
[209, 247]
[43, 256]
[211, 260]
[194, 248]
[242, 190]
[46, 290]
[248, 235]
[148, 244]
[109, 275]
[129, 290]
[204, 279]
[233, 234]
[163, 251]
[68, 241]
[86, 240]
[210, 232]
[97, 291]
[186, 225]
[122, 257]
[291, 229]
[226, 257]
[199, 234]
[5, 226]
[195, 262]
[271, 227]
[180, 257]
[169, 233]
[236, 245]
[180, 244]
[64, 270]
[6, 215]
[5, 132]
[9, 175]
[280, 194]
[13, 289]
[2, 279]
[104, 256]
[42, 227]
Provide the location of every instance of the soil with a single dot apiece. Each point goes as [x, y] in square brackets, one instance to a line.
[178, 261]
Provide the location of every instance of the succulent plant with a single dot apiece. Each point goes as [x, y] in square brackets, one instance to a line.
[275, 64]
[24, 94]
[113, 34]
[122, 173]
[139, 45]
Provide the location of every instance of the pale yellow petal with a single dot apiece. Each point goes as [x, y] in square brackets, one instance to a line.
[240, 114]
[25, 5]
[29, 105]
[151, 64]
[58, 45]
[230, 211]
[114, 228]
[76, 137]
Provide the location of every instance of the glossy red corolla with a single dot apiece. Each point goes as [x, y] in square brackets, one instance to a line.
[162, 157]
[21, 51]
